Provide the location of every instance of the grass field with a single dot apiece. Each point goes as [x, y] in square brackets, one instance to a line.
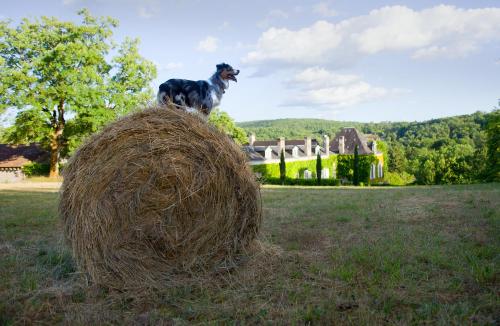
[410, 255]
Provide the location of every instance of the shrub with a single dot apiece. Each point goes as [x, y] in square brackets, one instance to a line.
[399, 179]
[299, 182]
[36, 169]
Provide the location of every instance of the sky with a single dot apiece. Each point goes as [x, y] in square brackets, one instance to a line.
[341, 60]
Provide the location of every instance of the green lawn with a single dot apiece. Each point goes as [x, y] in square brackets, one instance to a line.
[410, 255]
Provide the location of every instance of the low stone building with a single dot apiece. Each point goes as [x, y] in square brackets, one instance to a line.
[14, 157]
[264, 155]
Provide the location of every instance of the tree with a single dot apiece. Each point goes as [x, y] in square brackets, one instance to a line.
[282, 167]
[493, 146]
[396, 158]
[56, 75]
[355, 178]
[319, 167]
[222, 121]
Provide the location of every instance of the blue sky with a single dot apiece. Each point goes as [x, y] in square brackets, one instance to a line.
[342, 60]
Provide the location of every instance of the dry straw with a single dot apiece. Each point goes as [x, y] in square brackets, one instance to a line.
[156, 196]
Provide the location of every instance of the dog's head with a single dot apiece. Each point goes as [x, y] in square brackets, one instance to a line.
[226, 72]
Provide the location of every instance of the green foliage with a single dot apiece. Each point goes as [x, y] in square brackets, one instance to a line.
[450, 164]
[319, 167]
[222, 121]
[355, 177]
[36, 169]
[493, 145]
[399, 179]
[295, 128]
[397, 159]
[345, 167]
[300, 182]
[294, 169]
[56, 74]
[282, 166]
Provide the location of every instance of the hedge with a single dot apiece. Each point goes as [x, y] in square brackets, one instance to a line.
[36, 169]
[300, 182]
[343, 164]
[295, 167]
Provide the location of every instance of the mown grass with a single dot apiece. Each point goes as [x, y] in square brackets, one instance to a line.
[411, 255]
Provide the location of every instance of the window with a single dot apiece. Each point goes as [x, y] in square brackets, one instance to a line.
[380, 170]
[372, 171]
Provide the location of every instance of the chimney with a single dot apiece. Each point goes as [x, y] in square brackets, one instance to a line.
[281, 145]
[326, 144]
[251, 139]
[341, 145]
[307, 145]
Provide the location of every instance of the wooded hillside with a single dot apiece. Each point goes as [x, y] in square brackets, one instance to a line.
[447, 150]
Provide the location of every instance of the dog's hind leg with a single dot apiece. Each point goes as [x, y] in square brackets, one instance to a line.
[162, 98]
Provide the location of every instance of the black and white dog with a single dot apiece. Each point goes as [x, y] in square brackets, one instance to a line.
[201, 95]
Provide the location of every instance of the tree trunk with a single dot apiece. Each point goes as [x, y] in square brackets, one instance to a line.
[54, 157]
[58, 124]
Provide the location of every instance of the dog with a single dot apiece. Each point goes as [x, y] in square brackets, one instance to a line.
[201, 95]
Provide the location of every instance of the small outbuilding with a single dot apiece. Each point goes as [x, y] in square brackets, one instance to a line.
[14, 157]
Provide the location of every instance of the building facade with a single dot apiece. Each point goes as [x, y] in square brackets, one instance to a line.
[300, 156]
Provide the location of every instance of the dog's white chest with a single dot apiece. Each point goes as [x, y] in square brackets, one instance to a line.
[215, 98]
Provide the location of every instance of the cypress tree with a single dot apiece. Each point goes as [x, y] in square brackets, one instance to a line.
[318, 168]
[282, 167]
[355, 178]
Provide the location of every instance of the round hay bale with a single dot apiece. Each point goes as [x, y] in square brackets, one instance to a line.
[157, 194]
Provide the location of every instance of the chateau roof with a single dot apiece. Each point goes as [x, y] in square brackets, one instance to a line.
[352, 137]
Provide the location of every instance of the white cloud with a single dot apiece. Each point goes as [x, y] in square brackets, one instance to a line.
[169, 66]
[320, 88]
[323, 9]
[224, 25]
[435, 32]
[309, 45]
[145, 13]
[315, 77]
[273, 15]
[209, 44]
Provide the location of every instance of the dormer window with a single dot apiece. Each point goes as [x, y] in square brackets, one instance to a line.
[268, 153]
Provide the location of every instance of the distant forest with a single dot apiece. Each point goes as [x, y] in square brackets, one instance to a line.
[459, 149]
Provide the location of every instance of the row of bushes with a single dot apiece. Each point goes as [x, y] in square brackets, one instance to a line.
[38, 169]
[299, 182]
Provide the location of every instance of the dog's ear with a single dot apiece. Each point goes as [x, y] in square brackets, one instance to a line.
[220, 66]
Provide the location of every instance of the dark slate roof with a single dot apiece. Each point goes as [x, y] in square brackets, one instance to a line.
[352, 137]
[15, 156]
[287, 142]
[265, 142]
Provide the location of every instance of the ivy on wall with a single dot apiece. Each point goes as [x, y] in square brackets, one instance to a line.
[295, 168]
[341, 164]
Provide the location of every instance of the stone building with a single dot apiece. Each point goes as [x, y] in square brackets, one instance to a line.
[267, 152]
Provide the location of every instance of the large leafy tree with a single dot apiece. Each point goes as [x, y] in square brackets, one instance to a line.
[60, 78]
